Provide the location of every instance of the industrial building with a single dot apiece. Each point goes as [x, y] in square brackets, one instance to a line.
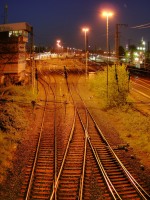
[13, 50]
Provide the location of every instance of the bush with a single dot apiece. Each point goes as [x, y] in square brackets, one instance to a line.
[13, 123]
[12, 118]
[118, 84]
[18, 93]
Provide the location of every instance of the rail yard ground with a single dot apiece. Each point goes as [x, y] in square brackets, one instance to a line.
[119, 125]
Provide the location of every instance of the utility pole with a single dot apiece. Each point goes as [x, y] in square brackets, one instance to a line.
[32, 61]
[6, 14]
[117, 42]
[148, 48]
[86, 30]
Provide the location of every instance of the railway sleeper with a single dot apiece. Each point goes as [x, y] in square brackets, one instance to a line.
[70, 175]
[43, 166]
[45, 159]
[72, 170]
[45, 156]
[42, 185]
[41, 196]
[67, 193]
[116, 175]
[44, 163]
[44, 171]
[41, 189]
[69, 184]
[128, 194]
[67, 198]
[39, 193]
[41, 179]
[110, 164]
[71, 165]
[113, 169]
[66, 190]
[69, 178]
[107, 158]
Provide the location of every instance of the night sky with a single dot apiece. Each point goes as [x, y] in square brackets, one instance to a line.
[64, 19]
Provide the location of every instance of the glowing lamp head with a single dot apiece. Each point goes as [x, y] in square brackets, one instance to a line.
[85, 29]
[58, 43]
[107, 14]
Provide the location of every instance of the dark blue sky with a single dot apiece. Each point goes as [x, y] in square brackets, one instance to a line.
[64, 19]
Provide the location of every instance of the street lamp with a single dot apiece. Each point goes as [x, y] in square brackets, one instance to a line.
[58, 43]
[85, 30]
[107, 14]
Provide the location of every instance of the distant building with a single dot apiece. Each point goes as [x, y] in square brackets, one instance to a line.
[13, 40]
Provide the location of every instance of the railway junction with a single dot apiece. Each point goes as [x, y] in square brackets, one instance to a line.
[71, 150]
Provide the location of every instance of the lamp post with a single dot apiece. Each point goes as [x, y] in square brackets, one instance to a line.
[58, 45]
[107, 14]
[85, 30]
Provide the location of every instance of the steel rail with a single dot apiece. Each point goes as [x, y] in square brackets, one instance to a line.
[104, 173]
[108, 182]
[80, 196]
[136, 185]
[55, 137]
[39, 139]
[65, 155]
[64, 158]
[130, 177]
[37, 151]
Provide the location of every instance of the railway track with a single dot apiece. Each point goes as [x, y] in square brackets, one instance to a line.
[120, 182]
[71, 158]
[40, 170]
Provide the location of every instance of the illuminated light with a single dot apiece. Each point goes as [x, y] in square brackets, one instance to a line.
[58, 43]
[136, 59]
[107, 14]
[85, 29]
[135, 53]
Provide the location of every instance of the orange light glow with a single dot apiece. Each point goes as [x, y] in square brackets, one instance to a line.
[85, 29]
[107, 14]
[58, 43]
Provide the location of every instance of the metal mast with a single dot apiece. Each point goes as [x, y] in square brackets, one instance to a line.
[117, 39]
[6, 14]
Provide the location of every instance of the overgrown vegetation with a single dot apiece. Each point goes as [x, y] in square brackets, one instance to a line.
[13, 122]
[118, 86]
[134, 129]
[132, 125]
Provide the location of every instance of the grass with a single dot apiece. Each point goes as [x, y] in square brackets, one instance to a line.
[117, 91]
[133, 126]
[17, 93]
[134, 129]
[13, 122]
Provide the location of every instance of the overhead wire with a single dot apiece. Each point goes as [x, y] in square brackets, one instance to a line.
[147, 25]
